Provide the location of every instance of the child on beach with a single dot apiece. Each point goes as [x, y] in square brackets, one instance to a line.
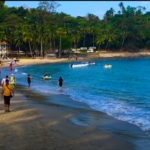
[12, 80]
[6, 92]
[60, 82]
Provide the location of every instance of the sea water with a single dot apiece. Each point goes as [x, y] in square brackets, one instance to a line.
[122, 91]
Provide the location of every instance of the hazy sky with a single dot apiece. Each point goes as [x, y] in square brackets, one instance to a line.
[82, 8]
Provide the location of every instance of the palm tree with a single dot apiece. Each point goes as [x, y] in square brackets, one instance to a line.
[2, 34]
[109, 14]
[60, 33]
[18, 34]
[122, 8]
[28, 36]
[75, 38]
[40, 37]
[2, 3]
[92, 22]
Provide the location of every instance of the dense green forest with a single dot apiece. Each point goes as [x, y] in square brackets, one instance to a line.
[43, 29]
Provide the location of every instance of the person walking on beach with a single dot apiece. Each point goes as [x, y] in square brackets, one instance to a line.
[60, 82]
[6, 92]
[4, 80]
[29, 78]
[76, 58]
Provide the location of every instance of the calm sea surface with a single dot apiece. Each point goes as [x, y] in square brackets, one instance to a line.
[122, 91]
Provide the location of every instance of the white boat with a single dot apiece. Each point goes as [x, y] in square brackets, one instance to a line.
[92, 63]
[79, 65]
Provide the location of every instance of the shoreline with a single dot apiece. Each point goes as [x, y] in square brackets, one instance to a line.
[84, 116]
[36, 126]
[95, 56]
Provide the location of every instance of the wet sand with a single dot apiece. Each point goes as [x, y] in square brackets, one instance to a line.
[32, 126]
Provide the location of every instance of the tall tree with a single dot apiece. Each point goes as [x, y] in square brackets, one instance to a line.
[28, 36]
[60, 33]
[2, 4]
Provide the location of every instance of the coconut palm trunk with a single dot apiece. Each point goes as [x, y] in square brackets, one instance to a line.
[60, 47]
[93, 39]
[41, 47]
[30, 49]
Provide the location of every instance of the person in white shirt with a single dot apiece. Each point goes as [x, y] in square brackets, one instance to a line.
[4, 80]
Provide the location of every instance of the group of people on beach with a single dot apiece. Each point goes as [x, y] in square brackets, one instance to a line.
[8, 86]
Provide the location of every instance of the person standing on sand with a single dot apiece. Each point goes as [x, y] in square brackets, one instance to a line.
[76, 58]
[6, 92]
[60, 82]
[29, 78]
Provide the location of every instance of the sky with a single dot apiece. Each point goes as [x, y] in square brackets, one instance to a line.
[82, 8]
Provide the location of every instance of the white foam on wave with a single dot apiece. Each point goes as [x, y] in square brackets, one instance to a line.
[118, 109]
[126, 112]
[24, 73]
[48, 90]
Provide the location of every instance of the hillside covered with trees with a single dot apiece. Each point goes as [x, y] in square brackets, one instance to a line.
[43, 29]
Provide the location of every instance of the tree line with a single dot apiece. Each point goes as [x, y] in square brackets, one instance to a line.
[44, 30]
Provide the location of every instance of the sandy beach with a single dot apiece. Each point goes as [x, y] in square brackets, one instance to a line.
[31, 126]
[92, 56]
[36, 61]
[105, 54]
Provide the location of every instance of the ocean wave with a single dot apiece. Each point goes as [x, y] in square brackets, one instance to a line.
[115, 108]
